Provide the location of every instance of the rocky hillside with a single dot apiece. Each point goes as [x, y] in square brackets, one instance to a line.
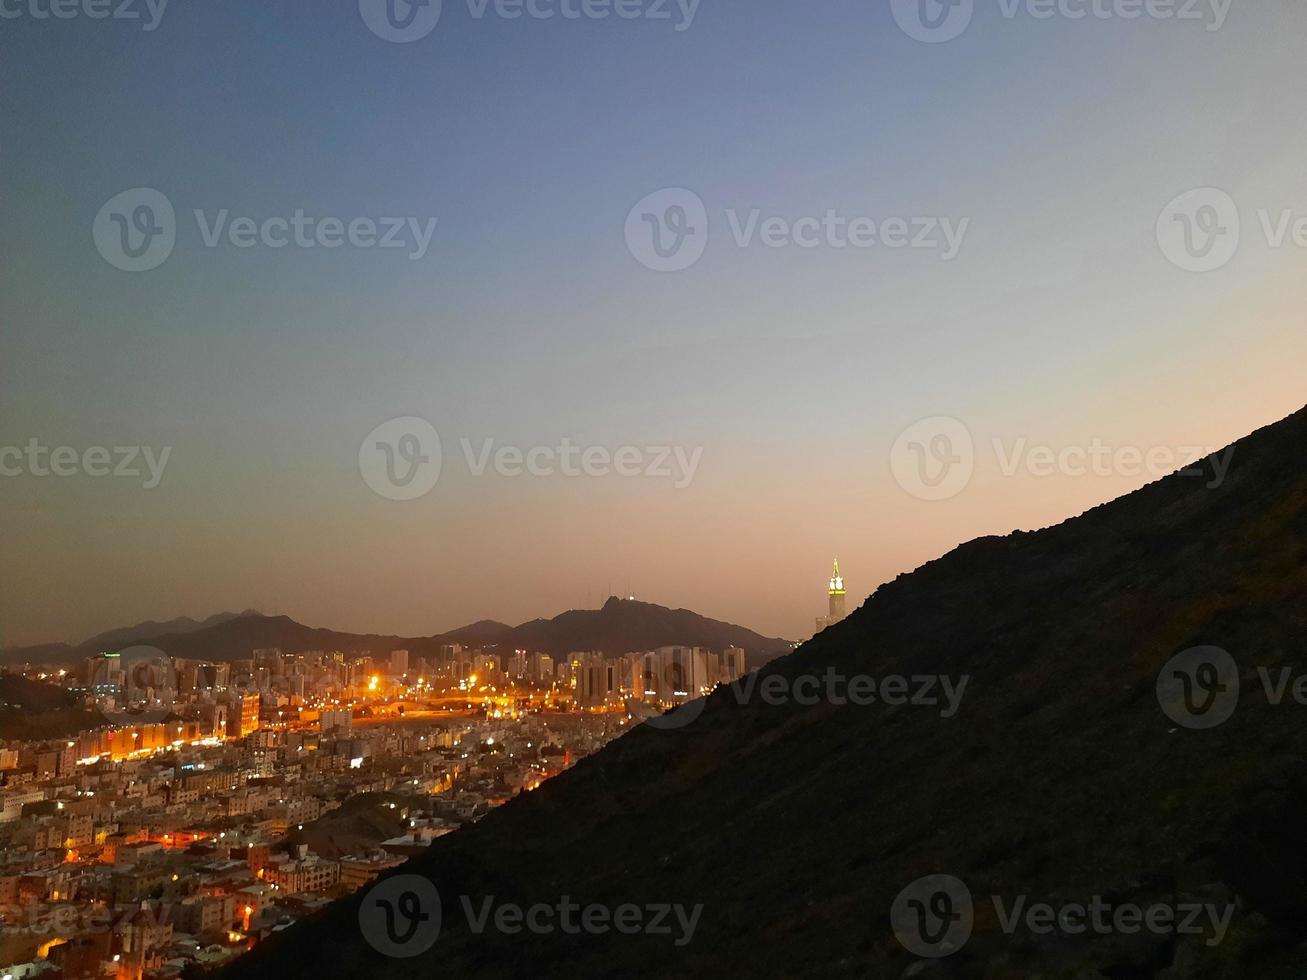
[1060, 775]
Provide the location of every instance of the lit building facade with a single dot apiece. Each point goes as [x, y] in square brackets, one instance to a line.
[835, 610]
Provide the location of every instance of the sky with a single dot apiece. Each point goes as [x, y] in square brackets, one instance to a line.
[1076, 239]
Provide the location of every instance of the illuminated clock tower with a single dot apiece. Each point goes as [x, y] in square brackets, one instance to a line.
[836, 594]
[835, 600]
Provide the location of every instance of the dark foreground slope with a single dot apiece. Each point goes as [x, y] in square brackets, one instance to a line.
[1059, 778]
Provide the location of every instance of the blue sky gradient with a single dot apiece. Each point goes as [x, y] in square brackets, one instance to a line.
[529, 320]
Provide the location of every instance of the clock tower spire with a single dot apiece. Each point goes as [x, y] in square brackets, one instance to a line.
[835, 593]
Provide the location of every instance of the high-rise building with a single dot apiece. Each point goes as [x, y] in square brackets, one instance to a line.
[596, 680]
[336, 718]
[398, 663]
[244, 715]
[104, 670]
[269, 658]
[675, 674]
[733, 664]
[834, 601]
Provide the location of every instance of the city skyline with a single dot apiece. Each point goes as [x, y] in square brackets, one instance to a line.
[604, 596]
[652, 488]
[168, 810]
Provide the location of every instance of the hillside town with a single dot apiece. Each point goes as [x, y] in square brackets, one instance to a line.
[214, 804]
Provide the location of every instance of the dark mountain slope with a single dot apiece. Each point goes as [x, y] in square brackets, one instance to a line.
[119, 638]
[619, 627]
[228, 638]
[234, 639]
[1059, 778]
[627, 625]
[482, 631]
[114, 639]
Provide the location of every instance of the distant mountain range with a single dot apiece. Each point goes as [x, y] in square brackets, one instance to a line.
[116, 639]
[621, 626]
[1063, 777]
